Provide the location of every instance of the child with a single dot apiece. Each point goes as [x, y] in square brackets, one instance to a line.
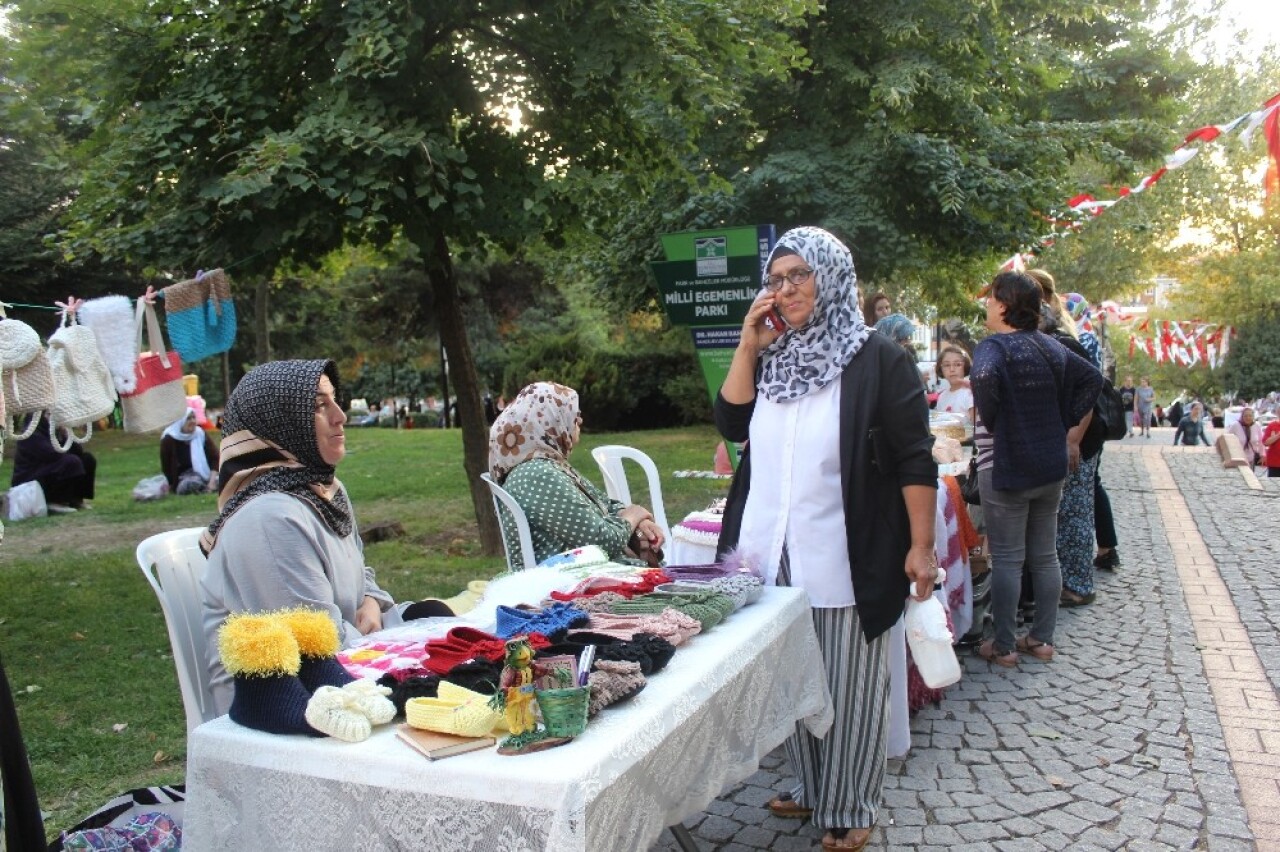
[953, 365]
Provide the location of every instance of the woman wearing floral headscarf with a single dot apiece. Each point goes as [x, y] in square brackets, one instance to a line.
[529, 447]
[285, 535]
[836, 495]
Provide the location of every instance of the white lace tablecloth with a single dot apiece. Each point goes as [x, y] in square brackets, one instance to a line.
[727, 698]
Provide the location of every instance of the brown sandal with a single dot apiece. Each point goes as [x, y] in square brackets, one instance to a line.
[782, 805]
[1038, 650]
[987, 651]
[845, 839]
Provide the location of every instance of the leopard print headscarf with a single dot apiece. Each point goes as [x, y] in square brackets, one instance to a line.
[808, 358]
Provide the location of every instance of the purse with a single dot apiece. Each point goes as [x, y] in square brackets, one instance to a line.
[201, 315]
[83, 389]
[24, 375]
[969, 488]
[159, 397]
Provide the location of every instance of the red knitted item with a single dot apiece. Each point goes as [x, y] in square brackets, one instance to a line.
[468, 643]
[645, 582]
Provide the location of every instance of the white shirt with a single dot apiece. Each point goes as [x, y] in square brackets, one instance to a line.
[957, 401]
[795, 496]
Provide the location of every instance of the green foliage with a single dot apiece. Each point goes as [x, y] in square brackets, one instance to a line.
[1253, 365]
[626, 385]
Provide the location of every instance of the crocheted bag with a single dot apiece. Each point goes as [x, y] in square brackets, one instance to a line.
[159, 397]
[25, 376]
[110, 318]
[83, 390]
[201, 315]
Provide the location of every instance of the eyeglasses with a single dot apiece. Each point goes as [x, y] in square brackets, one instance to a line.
[798, 277]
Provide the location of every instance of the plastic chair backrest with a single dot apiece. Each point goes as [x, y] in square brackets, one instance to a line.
[509, 511]
[610, 457]
[172, 563]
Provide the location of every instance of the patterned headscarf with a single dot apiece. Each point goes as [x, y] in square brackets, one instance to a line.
[897, 327]
[537, 424]
[808, 358]
[269, 444]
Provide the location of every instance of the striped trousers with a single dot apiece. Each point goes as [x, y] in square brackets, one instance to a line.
[841, 776]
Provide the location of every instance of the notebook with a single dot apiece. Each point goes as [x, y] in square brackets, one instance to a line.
[434, 745]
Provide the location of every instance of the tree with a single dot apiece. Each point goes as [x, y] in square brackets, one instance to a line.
[273, 131]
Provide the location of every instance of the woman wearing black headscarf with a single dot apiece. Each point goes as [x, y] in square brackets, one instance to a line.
[296, 544]
[836, 495]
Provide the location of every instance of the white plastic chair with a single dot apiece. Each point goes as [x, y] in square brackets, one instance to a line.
[610, 457]
[172, 563]
[502, 499]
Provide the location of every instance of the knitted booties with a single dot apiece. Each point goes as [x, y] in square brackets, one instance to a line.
[262, 657]
[334, 711]
[611, 681]
[372, 700]
[318, 644]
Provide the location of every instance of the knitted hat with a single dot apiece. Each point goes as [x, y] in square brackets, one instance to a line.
[111, 319]
[261, 655]
[550, 621]
[317, 638]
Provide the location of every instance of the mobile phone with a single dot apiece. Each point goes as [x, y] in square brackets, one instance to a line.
[774, 322]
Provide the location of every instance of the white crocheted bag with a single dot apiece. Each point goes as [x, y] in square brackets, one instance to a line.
[25, 376]
[111, 320]
[83, 389]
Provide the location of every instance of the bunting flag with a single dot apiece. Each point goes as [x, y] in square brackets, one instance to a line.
[1084, 206]
[1183, 343]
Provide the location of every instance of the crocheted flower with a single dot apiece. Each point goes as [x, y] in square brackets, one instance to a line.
[510, 439]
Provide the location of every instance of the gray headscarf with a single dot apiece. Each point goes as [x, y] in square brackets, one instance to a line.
[269, 444]
[808, 358]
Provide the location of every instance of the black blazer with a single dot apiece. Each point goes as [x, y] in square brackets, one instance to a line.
[885, 444]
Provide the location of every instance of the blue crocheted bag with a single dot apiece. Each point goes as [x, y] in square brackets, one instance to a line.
[201, 315]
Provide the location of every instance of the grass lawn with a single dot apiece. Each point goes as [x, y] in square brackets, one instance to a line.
[83, 638]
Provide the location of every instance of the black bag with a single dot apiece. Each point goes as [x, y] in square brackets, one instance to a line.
[1110, 413]
[969, 488]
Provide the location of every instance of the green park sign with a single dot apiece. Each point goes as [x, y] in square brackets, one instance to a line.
[708, 281]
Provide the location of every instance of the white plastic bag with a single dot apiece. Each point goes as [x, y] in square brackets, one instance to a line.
[26, 501]
[930, 640]
[151, 488]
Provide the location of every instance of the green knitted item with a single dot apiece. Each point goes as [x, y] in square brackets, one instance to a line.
[707, 616]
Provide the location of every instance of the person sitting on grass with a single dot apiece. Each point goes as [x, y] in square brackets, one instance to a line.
[297, 545]
[66, 478]
[529, 447]
[187, 457]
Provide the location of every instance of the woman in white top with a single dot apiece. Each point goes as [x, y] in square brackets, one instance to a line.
[836, 495]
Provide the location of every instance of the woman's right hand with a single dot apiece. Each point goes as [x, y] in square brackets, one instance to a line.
[755, 333]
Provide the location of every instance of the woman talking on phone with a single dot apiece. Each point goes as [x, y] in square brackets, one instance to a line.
[836, 495]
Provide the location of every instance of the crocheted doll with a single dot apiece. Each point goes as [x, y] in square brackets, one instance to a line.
[515, 697]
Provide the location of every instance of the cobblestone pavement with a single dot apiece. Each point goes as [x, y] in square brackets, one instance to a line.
[1115, 744]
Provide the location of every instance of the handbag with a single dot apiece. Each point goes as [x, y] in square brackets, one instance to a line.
[24, 375]
[969, 488]
[83, 389]
[110, 318]
[159, 397]
[201, 315]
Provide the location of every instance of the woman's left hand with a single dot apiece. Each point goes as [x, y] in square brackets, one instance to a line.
[649, 535]
[922, 571]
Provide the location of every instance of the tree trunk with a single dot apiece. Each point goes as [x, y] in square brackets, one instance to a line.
[261, 328]
[462, 369]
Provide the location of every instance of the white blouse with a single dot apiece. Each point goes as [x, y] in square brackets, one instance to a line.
[795, 496]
